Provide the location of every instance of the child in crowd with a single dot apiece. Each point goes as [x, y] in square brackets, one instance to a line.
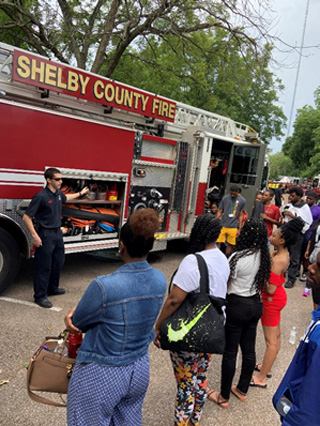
[214, 209]
[258, 197]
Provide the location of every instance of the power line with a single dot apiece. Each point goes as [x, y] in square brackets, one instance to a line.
[298, 69]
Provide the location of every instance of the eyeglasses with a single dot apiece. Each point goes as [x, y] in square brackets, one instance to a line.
[57, 179]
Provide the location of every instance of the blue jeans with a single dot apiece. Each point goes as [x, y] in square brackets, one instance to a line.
[243, 314]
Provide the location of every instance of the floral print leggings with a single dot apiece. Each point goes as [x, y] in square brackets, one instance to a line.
[190, 370]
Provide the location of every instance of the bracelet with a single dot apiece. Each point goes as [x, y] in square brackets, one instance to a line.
[80, 194]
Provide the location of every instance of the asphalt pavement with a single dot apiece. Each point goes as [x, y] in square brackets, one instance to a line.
[24, 325]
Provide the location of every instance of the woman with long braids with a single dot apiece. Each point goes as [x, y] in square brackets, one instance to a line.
[250, 270]
[191, 368]
[274, 297]
[117, 312]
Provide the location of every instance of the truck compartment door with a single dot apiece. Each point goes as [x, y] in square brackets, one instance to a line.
[245, 170]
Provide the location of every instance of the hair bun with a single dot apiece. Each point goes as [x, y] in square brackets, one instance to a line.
[296, 224]
[144, 223]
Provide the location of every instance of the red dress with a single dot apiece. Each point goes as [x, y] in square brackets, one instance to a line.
[273, 303]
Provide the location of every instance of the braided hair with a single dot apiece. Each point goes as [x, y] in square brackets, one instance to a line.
[291, 230]
[253, 239]
[205, 230]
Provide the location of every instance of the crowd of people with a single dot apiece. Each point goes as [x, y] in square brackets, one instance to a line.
[261, 251]
[122, 313]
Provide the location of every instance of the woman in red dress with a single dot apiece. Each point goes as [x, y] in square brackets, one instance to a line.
[274, 298]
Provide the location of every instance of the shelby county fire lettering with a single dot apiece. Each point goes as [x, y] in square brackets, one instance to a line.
[51, 75]
[57, 77]
[119, 95]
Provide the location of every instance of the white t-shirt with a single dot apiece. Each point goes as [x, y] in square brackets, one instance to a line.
[188, 276]
[246, 270]
[304, 212]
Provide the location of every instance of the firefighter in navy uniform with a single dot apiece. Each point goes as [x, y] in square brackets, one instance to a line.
[45, 208]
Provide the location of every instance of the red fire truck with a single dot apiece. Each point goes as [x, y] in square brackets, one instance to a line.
[134, 149]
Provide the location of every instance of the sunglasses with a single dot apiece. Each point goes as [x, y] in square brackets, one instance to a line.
[57, 179]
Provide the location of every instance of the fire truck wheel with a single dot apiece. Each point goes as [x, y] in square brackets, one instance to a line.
[9, 259]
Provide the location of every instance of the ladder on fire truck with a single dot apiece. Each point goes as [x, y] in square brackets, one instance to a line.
[185, 116]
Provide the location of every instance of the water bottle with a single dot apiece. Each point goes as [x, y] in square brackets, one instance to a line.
[74, 344]
[60, 348]
[284, 406]
[293, 335]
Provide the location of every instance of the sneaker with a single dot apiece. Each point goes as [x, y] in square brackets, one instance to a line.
[303, 277]
[289, 284]
[306, 292]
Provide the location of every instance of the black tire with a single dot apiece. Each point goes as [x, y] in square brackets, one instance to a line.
[9, 259]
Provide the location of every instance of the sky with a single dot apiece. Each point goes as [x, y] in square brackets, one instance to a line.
[289, 18]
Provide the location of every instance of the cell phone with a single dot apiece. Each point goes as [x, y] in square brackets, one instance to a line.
[287, 207]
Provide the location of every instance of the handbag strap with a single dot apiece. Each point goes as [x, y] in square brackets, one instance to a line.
[204, 277]
[204, 274]
[43, 400]
[171, 281]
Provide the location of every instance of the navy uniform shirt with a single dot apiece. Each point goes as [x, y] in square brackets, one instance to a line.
[46, 208]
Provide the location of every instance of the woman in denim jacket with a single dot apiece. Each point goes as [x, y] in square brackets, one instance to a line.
[117, 312]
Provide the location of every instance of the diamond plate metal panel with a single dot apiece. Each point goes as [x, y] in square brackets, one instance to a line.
[9, 211]
[9, 208]
[154, 176]
[158, 150]
[159, 245]
[174, 220]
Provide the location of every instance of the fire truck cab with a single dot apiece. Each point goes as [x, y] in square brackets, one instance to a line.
[133, 149]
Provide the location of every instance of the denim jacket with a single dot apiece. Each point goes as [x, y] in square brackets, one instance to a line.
[117, 312]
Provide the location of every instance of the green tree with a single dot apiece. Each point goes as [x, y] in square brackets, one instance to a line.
[314, 166]
[14, 36]
[281, 165]
[216, 78]
[303, 147]
[195, 51]
[95, 34]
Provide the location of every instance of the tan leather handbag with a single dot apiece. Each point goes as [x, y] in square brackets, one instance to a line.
[49, 371]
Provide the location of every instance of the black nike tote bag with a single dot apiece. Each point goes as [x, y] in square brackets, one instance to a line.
[198, 324]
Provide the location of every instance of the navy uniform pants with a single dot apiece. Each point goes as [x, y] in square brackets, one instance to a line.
[49, 259]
